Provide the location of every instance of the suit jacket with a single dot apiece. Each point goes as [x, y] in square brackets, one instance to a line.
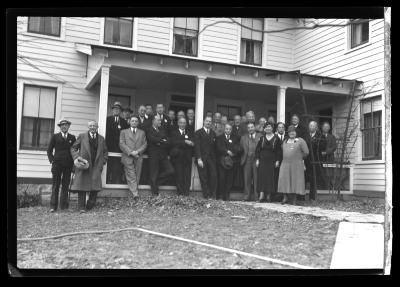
[190, 126]
[145, 124]
[285, 137]
[129, 142]
[330, 147]
[223, 145]
[315, 144]
[155, 144]
[89, 179]
[301, 131]
[204, 145]
[244, 146]
[218, 128]
[113, 131]
[165, 123]
[62, 149]
[180, 151]
[238, 130]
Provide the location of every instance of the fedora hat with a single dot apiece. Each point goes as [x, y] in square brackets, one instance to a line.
[117, 105]
[227, 162]
[63, 121]
[81, 163]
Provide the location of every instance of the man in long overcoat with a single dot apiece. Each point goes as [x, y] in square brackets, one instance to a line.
[90, 147]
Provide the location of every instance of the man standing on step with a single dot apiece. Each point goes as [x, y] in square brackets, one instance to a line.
[133, 143]
[204, 147]
[158, 143]
[61, 164]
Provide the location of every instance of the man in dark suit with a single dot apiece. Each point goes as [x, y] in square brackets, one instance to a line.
[204, 147]
[300, 130]
[157, 141]
[282, 136]
[316, 144]
[114, 124]
[190, 119]
[133, 143]
[228, 147]
[172, 119]
[61, 164]
[182, 141]
[238, 128]
[165, 121]
[145, 120]
[248, 144]
[328, 153]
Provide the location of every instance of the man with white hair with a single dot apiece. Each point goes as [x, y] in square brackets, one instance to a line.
[316, 145]
[90, 154]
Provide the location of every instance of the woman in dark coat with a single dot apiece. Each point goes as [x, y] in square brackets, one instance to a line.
[268, 153]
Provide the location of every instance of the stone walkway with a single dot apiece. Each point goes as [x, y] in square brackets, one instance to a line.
[359, 240]
[319, 212]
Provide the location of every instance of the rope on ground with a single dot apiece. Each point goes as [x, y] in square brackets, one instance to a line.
[265, 258]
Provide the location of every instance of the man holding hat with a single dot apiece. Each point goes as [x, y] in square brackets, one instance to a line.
[61, 164]
[115, 123]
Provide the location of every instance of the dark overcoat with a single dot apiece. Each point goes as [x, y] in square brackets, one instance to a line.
[89, 179]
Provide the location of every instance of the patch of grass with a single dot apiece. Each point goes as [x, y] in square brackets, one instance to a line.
[295, 238]
[27, 196]
[362, 206]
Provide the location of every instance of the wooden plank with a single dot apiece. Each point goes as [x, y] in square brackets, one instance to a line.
[369, 166]
[369, 187]
[373, 182]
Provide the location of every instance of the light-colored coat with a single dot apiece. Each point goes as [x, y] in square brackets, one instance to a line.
[129, 142]
[89, 179]
[244, 146]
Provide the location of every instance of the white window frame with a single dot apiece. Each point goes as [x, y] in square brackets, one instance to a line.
[134, 34]
[263, 47]
[20, 96]
[347, 39]
[59, 38]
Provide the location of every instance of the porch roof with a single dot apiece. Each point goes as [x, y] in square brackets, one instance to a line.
[271, 76]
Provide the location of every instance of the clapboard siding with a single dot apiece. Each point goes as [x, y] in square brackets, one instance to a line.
[220, 42]
[369, 177]
[83, 30]
[153, 35]
[56, 60]
[279, 46]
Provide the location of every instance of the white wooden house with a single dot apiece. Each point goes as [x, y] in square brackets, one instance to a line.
[76, 67]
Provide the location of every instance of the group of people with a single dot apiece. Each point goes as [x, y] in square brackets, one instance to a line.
[271, 158]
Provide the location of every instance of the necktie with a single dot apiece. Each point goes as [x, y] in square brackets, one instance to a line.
[93, 135]
[65, 136]
[134, 131]
[207, 131]
[116, 119]
[183, 132]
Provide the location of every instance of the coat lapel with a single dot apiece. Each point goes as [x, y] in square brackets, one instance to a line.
[85, 142]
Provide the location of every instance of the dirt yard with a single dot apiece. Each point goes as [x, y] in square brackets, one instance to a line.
[301, 239]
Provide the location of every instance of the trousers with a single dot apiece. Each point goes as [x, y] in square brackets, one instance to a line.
[61, 175]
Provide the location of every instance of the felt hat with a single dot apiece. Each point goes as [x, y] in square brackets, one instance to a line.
[81, 163]
[117, 105]
[63, 121]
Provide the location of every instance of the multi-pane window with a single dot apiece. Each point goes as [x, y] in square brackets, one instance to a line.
[186, 36]
[118, 31]
[44, 25]
[371, 128]
[229, 111]
[359, 32]
[37, 117]
[252, 40]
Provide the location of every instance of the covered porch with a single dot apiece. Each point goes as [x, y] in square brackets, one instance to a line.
[135, 78]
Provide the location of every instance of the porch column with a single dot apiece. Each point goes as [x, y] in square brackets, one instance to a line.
[105, 77]
[280, 100]
[200, 81]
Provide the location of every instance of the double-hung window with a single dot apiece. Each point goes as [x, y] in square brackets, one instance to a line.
[358, 32]
[251, 41]
[371, 128]
[118, 31]
[186, 36]
[45, 25]
[39, 104]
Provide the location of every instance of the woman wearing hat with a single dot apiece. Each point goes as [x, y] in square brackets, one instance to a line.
[267, 160]
[291, 174]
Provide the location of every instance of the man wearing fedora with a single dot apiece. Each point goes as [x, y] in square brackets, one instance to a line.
[90, 154]
[126, 114]
[115, 123]
[182, 142]
[61, 164]
[228, 147]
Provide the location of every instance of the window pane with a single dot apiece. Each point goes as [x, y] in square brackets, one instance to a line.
[47, 103]
[179, 31]
[366, 107]
[34, 24]
[355, 35]
[180, 22]
[257, 52]
[368, 121]
[31, 101]
[191, 46]
[193, 23]
[45, 131]
[126, 32]
[243, 51]
[191, 33]
[376, 104]
[111, 31]
[27, 131]
[368, 143]
[257, 25]
[365, 32]
[377, 119]
[246, 33]
[178, 43]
